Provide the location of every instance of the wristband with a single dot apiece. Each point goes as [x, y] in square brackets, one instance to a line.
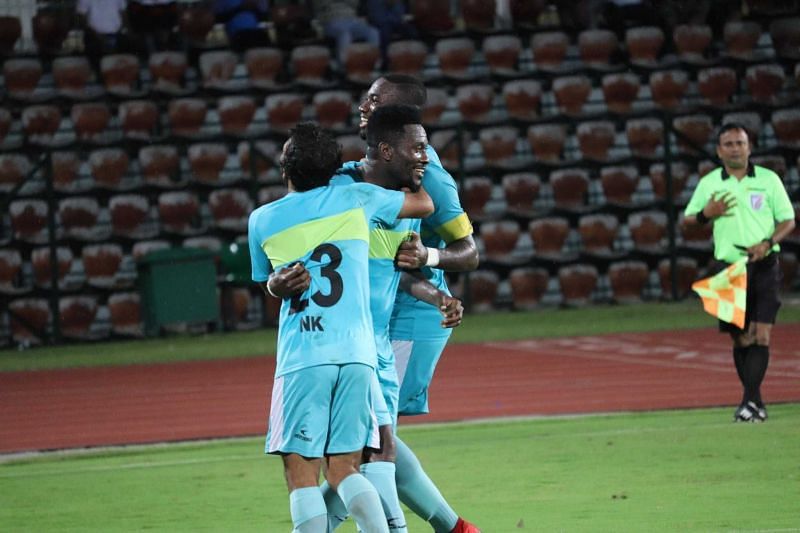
[270, 290]
[433, 257]
[701, 217]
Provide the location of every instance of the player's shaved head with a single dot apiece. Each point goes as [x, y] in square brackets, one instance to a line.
[387, 124]
[310, 157]
[406, 90]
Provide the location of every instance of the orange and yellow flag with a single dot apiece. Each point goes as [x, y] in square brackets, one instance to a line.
[724, 295]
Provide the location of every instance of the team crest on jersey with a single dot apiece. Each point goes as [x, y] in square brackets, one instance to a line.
[756, 201]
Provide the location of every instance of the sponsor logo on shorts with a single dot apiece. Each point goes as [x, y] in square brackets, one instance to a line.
[302, 436]
[756, 201]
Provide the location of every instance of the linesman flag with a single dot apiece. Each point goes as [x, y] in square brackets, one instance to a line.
[724, 295]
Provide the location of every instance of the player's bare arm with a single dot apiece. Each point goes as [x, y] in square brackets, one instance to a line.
[288, 281]
[761, 249]
[718, 206]
[417, 286]
[416, 205]
[459, 256]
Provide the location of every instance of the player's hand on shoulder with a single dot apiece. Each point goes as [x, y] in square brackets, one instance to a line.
[289, 281]
[411, 254]
[451, 310]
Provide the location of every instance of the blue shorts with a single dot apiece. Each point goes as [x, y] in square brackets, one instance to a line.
[416, 361]
[323, 410]
[388, 388]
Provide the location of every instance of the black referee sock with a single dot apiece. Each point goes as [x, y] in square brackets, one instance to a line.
[757, 361]
[739, 358]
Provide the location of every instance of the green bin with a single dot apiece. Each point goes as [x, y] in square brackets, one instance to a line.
[177, 285]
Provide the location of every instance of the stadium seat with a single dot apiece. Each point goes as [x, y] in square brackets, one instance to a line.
[29, 220]
[101, 264]
[129, 214]
[444, 142]
[570, 186]
[478, 15]
[619, 183]
[776, 163]
[108, 166]
[72, 75]
[407, 57]
[235, 305]
[432, 16]
[271, 193]
[268, 154]
[644, 44]
[353, 147]
[50, 28]
[697, 128]
[740, 38]
[680, 175]
[475, 195]
[648, 230]
[42, 269]
[705, 166]
[521, 190]
[692, 41]
[525, 13]
[217, 67]
[668, 87]
[502, 53]
[596, 46]
[686, 273]
[160, 165]
[167, 70]
[263, 65]
[483, 286]
[78, 216]
[10, 271]
[65, 167]
[547, 141]
[788, 262]
[120, 73]
[455, 56]
[90, 120]
[620, 91]
[474, 101]
[195, 22]
[645, 136]
[751, 120]
[36, 313]
[577, 283]
[206, 161]
[717, 85]
[498, 144]
[236, 113]
[142, 248]
[284, 111]
[230, 208]
[549, 49]
[571, 93]
[10, 32]
[598, 232]
[696, 235]
[786, 123]
[125, 313]
[595, 138]
[186, 115]
[499, 238]
[785, 33]
[13, 169]
[360, 61]
[76, 316]
[179, 212]
[522, 98]
[548, 235]
[628, 280]
[41, 122]
[764, 82]
[310, 63]
[138, 118]
[528, 286]
[5, 124]
[333, 108]
[435, 105]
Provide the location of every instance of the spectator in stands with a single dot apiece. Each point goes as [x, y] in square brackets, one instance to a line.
[389, 16]
[242, 19]
[292, 22]
[153, 20]
[340, 21]
[102, 22]
[619, 15]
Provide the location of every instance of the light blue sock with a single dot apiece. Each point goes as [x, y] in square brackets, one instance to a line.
[337, 512]
[363, 503]
[418, 492]
[308, 510]
[381, 474]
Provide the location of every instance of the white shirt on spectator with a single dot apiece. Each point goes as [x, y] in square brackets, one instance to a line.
[103, 16]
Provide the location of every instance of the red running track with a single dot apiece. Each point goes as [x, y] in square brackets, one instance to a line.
[54, 409]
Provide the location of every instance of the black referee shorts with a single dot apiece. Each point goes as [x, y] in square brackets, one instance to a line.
[763, 292]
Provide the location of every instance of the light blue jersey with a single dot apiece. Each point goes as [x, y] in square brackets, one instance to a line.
[327, 229]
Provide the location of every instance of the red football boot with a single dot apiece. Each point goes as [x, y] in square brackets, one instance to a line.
[462, 526]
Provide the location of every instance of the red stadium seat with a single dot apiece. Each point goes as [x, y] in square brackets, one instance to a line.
[645, 136]
[5, 124]
[751, 120]
[50, 28]
[475, 195]
[498, 144]
[432, 16]
[595, 138]
[186, 115]
[407, 57]
[10, 32]
[10, 271]
[76, 316]
[686, 273]
[644, 44]
[310, 63]
[548, 235]
[628, 280]
[764, 82]
[786, 123]
[571, 93]
[129, 214]
[268, 154]
[525, 13]
[360, 61]
[706, 166]
[101, 264]
[668, 87]
[443, 141]
[160, 165]
[692, 41]
[435, 105]
[353, 147]
[13, 169]
[620, 91]
[577, 283]
[499, 238]
[598, 232]
[696, 235]
[263, 65]
[230, 208]
[195, 22]
[776, 163]
[41, 122]
[740, 38]
[236, 113]
[167, 70]
[569, 186]
[217, 67]
[717, 84]
[528, 286]
[126, 313]
[697, 128]
[108, 166]
[36, 313]
[596, 46]
[138, 118]
[619, 183]
[72, 75]
[333, 108]
[179, 212]
[785, 33]
[478, 15]
[29, 220]
[78, 217]
[680, 175]
[42, 270]
[455, 56]
[522, 98]
[482, 290]
[648, 230]
[474, 101]
[284, 111]
[90, 120]
[502, 53]
[142, 248]
[547, 141]
[521, 190]
[549, 49]
[120, 72]
[66, 166]
[206, 161]
[271, 193]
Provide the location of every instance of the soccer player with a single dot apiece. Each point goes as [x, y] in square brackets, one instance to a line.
[321, 403]
[446, 244]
